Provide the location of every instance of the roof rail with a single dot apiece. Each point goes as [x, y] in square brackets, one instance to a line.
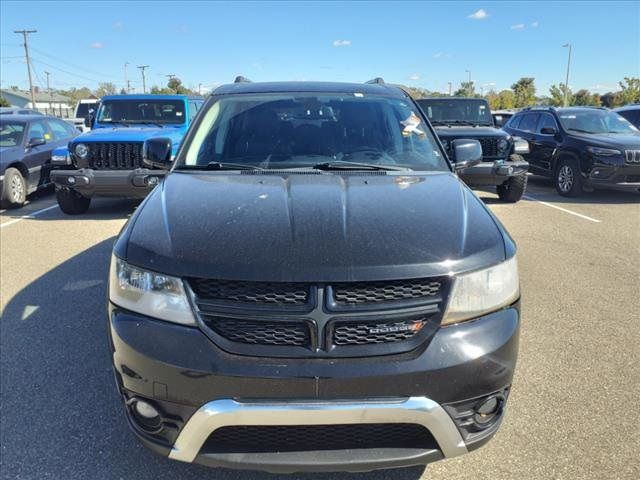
[538, 107]
[376, 81]
[241, 79]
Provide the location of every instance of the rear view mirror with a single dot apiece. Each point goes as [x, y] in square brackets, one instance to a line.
[156, 152]
[548, 131]
[466, 153]
[35, 142]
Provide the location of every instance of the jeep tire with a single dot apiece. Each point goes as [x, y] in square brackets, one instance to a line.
[14, 189]
[71, 202]
[512, 190]
[568, 178]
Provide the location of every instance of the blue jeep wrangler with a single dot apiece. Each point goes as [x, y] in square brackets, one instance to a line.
[107, 161]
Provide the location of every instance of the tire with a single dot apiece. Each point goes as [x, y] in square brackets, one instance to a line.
[71, 202]
[568, 179]
[512, 190]
[14, 189]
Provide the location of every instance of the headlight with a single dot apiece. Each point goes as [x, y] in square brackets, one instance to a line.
[81, 150]
[61, 159]
[604, 152]
[520, 145]
[478, 293]
[159, 296]
[503, 145]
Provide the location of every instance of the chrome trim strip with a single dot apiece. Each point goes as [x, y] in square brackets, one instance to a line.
[220, 413]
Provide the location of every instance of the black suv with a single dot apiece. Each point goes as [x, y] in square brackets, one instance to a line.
[631, 113]
[311, 287]
[581, 148]
[502, 165]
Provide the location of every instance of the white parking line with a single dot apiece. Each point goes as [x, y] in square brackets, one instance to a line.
[31, 215]
[528, 197]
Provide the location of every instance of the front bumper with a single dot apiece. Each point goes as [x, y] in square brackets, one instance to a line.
[621, 177]
[493, 173]
[108, 183]
[201, 388]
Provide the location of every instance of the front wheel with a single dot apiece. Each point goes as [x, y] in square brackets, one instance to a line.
[14, 189]
[568, 179]
[71, 202]
[512, 190]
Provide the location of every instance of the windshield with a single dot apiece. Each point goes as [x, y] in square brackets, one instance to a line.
[304, 129]
[592, 120]
[142, 111]
[83, 109]
[11, 134]
[471, 111]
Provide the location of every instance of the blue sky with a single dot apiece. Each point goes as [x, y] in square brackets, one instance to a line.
[420, 44]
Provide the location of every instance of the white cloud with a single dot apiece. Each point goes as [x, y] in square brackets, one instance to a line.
[415, 76]
[342, 43]
[535, 24]
[441, 55]
[96, 45]
[119, 25]
[479, 15]
[517, 26]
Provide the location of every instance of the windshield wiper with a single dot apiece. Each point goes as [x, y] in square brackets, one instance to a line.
[146, 123]
[343, 165]
[115, 123]
[219, 166]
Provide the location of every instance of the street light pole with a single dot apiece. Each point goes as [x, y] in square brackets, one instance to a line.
[144, 79]
[566, 82]
[26, 53]
[48, 88]
[450, 88]
[469, 72]
[126, 78]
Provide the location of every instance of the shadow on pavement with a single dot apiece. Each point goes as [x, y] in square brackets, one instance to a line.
[61, 414]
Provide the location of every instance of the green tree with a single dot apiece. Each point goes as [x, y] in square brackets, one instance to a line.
[525, 92]
[467, 89]
[506, 100]
[610, 99]
[4, 102]
[494, 100]
[76, 94]
[106, 88]
[630, 90]
[585, 97]
[557, 95]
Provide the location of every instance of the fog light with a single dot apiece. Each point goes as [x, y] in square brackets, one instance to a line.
[71, 180]
[145, 410]
[488, 409]
[152, 181]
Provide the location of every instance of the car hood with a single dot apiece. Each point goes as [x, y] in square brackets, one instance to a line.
[469, 132]
[615, 140]
[304, 227]
[130, 134]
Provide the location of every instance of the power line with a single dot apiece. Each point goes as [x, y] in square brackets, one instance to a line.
[72, 65]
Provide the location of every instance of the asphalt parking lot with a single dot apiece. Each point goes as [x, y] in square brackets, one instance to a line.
[573, 409]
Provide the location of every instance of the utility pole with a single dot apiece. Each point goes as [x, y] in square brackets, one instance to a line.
[469, 72]
[450, 84]
[170, 76]
[26, 53]
[128, 86]
[144, 79]
[566, 82]
[126, 78]
[199, 89]
[48, 88]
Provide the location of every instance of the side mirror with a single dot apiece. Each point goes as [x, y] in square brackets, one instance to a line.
[466, 153]
[548, 131]
[36, 142]
[520, 145]
[156, 152]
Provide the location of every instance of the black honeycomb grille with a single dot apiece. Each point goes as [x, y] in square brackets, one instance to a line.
[115, 155]
[305, 438]
[489, 147]
[359, 333]
[263, 332]
[258, 293]
[376, 292]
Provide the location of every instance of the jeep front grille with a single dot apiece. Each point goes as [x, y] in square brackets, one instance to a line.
[264, 293]
[260, 332]
[632, 156]
[115, 155]
[489, 147]
[377, 292]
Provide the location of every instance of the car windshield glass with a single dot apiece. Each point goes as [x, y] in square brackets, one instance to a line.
[11, 134]
[475, 112]
[306, 129]
[592, 120]
[142, 111]
[83, 109]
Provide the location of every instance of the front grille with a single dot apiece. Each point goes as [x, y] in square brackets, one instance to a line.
[258, 293]
[115, 155]
[260, 332]
[489, 147]
[377, 292]
[632, 156]
[307, 438]
[370, 333]
[633, 178]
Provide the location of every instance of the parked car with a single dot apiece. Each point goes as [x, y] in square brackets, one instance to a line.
[502, 164]
[500, 117]
[311, 287]
[26, 143]
[631, 113]
[581, 148]
[84, 108]
[107, 161]
[18, 111]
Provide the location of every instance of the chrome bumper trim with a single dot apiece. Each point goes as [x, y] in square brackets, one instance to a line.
[220, 413]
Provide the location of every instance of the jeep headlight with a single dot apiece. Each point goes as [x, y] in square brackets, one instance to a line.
[60, 159]
[484, 291]
[503, 145]
[81, 150]
[149, 293]
[604, 152]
